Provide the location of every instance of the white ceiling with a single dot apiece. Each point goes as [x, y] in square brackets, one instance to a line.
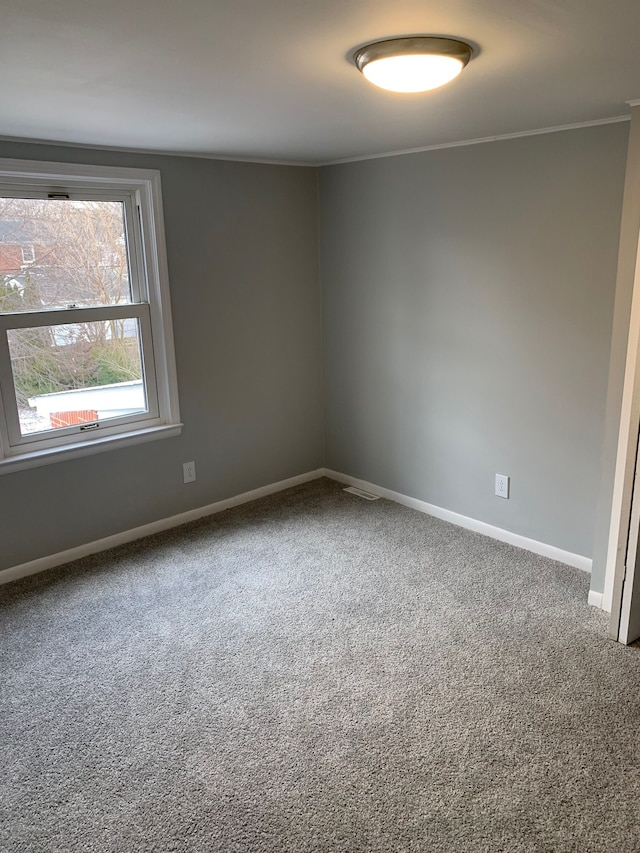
[273, 80]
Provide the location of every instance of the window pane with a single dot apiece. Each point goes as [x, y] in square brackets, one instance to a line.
[55, 253]
[76, 373]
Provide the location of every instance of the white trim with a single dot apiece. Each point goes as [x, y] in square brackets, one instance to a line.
[62, 557]
[628, 273]
[93, 444]
[541, 548]
[145, 238]
[480, 140]
[157, 265]
[595, 599]
[78, 176]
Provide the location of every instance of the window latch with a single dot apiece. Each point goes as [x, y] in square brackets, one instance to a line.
[86, 427]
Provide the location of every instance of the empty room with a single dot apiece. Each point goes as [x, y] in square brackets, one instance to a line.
[319, 417]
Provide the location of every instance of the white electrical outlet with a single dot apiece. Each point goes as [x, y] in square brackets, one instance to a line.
[189, 472]
[502, 485]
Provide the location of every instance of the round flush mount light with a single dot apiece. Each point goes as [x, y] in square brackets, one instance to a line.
[415, 64]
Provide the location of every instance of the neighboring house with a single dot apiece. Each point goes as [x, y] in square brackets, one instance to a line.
[17, 248]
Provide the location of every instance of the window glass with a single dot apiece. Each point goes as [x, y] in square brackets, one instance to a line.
[76, 373]
[57, 253]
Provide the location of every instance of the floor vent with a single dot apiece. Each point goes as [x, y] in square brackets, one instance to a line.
[366, 495]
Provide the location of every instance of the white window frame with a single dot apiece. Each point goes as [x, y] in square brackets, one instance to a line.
[140, 191]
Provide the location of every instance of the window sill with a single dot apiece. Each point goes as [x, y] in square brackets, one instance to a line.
[38, 458]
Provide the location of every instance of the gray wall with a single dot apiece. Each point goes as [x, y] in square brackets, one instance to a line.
[467, 309]
[242, 249]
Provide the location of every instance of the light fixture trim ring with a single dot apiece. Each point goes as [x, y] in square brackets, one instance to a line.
[433, 45]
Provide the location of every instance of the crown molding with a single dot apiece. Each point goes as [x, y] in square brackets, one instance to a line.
[318, 164]
[481, 140]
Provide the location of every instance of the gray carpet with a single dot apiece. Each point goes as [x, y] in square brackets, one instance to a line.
[313, 672]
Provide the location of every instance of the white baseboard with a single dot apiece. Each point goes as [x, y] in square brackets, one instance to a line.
[50, 562]
[596, 599]
[558, 554]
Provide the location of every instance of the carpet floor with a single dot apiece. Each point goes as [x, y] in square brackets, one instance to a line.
[315, 672]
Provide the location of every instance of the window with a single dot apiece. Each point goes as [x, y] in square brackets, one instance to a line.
[86, 346]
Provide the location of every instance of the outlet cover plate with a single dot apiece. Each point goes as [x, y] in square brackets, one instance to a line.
[502, 485]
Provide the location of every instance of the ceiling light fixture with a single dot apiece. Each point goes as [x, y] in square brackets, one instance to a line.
[414, 64]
